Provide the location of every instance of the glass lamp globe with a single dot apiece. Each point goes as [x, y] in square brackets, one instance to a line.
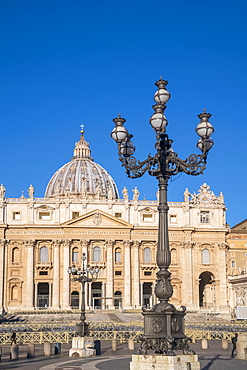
[158, 121]
[119, 134]
[207, 144]
[204, 129]
[127, 148]
[161, 96]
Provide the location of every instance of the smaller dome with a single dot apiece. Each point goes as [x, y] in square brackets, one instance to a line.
[82, 177]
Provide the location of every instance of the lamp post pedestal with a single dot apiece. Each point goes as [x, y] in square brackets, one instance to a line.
[162, 362]
[82, 347]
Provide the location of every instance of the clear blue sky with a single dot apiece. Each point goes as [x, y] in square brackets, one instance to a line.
[64, 63]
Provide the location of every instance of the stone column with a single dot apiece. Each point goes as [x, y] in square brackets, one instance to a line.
[50, 294]
[90, 295]
[109, 273]
[222, 297]
[141, 293]
[136, 275]
[127, 275]
[187, 268]
[56, 277]
[66, 282]
[35, 294]
[2, 254]
[103, 294]
[29, 244]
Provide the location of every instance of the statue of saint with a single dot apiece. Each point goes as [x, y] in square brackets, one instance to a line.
[2, 191]
[125, 194]
[31, 191]
[136, 194]
[187, 195]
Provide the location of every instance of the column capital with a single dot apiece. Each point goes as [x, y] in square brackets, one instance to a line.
[110, 243]
[30, 243]
[85, 242]
[56, 243]
[4, 242]
[128, 243]
[137, 244]
[187, 245]
[67, 242]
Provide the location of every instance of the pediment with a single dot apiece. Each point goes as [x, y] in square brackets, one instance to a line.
[97, 218]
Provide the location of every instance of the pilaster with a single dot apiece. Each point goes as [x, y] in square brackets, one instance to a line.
[56, 275]
[66, 282]
[109, 273]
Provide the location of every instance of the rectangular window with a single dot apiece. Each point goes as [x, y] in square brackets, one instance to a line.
[204, 217]
[16, 215]
[233, 264]
[232, 245]
[44, 216]
[118, 214]
[147, 273]
[75, 215]
[173, 219]
[118, 272]
[43, 273]
[146, 217]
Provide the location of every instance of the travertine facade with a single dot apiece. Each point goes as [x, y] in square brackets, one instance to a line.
[81, 212]
[237, 265]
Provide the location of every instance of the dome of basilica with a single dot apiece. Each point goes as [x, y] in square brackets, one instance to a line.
[82, 177]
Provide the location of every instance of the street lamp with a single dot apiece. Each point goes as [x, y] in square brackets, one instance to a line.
[163, 323]
[82, 275]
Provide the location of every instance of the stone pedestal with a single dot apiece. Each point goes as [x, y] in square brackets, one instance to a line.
[30, 350]
[163, 362]
[82, 347]
[47, 349]
[241, 346]
[14, 352]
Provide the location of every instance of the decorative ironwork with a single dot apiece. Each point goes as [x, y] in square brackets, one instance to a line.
[163, 165]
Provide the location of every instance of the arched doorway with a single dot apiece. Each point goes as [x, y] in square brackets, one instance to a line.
[75, 300]
[206, 290]
[97, 292]
[117, 299]
[43, 295]
[147, 295]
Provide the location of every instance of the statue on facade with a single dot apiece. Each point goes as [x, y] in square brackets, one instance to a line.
[2, 191]
[31, 191]
[109, 193]
[136, 194]
[187, 195]
[125, 194]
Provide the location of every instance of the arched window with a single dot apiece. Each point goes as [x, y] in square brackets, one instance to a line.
[96, 254]
[75, 255]
[43, 254]
[15, 254]
[205, 257]
[173, 255]
[75, 299]
[147, 256]
[14, 293]
[118, 255]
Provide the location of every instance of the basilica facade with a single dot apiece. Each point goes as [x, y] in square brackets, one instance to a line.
[82, 212]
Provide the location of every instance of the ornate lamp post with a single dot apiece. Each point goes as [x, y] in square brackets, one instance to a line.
[82, 275]
[163, 323]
